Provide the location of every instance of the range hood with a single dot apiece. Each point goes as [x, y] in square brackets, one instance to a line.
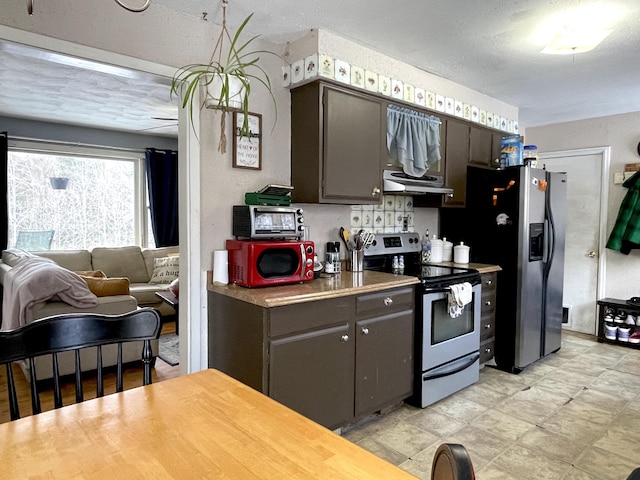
[399, 183]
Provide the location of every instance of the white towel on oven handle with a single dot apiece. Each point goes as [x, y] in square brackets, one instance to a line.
[460, 294]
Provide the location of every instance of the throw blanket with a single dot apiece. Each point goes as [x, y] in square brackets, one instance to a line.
[626, 231]
[461, 294]
[38, 279]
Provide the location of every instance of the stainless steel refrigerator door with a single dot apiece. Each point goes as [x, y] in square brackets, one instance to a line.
[529, 323]
[556, 221]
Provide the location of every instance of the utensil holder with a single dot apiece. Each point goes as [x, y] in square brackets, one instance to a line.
[356, 260]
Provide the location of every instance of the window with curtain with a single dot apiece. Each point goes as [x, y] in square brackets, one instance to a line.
[88, 196]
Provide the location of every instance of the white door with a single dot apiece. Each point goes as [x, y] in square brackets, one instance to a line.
[587, 180]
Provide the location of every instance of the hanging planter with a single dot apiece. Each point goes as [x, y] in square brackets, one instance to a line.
[217, 88]
[59, 183]
[226, 80]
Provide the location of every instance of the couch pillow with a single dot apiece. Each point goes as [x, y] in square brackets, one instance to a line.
[121, 262]
[92, 273]
[165, 269]
[106, 287]
[150, 254]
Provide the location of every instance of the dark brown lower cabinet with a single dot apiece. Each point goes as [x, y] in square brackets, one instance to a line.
[332, 360]
[383, 360]
[312, 373]
[488, 316]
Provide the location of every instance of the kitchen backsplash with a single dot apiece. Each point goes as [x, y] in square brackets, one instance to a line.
[394, 214]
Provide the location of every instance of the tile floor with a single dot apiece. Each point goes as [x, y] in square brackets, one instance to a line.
[574, 415]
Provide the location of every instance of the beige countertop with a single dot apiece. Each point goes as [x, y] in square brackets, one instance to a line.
[330, 286]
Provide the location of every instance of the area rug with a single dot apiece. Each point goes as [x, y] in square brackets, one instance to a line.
[169, 351]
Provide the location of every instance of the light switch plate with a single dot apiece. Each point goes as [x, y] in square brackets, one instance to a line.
[618, 178]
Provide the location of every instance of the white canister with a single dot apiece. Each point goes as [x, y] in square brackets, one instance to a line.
[447, 250]
[461, 253]
[437, 251]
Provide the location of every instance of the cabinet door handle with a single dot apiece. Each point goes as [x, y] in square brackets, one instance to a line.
[488, 303]
[488, 282]
[365, 331]
[487, 350]
[388, 301]
[487, 326]
[344, 338]
[375, 192]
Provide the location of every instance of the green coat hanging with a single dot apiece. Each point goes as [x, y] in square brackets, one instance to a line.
[625, 235]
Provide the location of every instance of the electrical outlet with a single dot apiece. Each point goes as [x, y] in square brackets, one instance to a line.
[618, 178]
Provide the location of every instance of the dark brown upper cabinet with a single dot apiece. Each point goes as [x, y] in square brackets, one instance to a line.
[336, 145]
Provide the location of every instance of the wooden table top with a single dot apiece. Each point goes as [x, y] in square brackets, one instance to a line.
[202, 425]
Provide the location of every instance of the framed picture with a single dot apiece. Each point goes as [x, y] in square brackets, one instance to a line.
[247, 151]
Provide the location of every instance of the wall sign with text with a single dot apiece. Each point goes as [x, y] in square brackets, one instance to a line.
[247, 151]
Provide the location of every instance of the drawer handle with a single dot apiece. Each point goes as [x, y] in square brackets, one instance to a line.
[388, 301]
[488, 282]
[487, 326]
[487, 350]
[365, 331]
[488, 303]
[344, 338]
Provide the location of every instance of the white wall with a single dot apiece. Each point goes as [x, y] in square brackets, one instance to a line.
[622, 133]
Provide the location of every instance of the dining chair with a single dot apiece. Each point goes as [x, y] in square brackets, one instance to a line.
[35, 241]
[74, 332]
[452, 462]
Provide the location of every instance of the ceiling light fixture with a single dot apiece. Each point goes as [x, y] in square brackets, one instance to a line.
[575, 41]
[578, 30]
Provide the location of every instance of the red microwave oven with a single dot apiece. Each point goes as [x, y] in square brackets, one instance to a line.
[262, 263]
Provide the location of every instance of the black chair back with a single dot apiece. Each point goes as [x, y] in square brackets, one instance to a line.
[61, 333]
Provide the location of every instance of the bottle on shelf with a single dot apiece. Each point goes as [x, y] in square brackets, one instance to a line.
[426, 248]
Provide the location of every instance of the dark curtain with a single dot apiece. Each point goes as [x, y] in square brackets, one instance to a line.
[4, 209]
[4, 214]
[162, 182]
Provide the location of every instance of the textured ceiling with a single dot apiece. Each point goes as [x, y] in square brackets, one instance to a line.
[491, 46]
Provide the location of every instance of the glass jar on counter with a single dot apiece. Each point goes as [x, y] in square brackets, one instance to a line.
[332, 261]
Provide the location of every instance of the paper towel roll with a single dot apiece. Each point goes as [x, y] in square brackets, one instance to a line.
[221, 266]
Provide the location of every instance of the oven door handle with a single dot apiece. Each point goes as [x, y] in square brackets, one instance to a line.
[437, 290]
[452, 369]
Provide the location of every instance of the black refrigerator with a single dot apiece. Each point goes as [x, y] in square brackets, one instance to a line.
[515, 218]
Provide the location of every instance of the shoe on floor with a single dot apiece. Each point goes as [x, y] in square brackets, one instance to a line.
[610, 332]
[623, 334]
[618, 319]
[631, 320]
[635, 337]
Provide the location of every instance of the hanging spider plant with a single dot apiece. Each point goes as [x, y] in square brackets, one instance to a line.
[227, 83]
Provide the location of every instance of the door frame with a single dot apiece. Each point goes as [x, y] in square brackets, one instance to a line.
[193, 298]
[605, 155]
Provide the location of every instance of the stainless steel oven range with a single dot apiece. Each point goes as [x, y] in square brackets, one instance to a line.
[447, 357]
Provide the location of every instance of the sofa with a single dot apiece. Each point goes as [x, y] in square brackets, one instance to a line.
[133, 276]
